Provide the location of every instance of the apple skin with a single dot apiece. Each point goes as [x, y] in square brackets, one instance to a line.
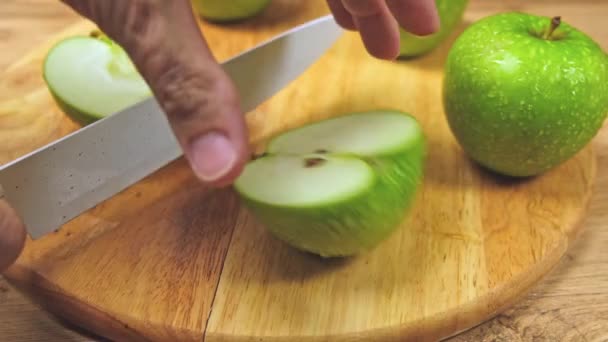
[355, 225]
[229, 10]
[78, 116]
[519, 104]
[450, 14]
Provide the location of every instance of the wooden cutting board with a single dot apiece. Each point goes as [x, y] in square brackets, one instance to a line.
[168, 259]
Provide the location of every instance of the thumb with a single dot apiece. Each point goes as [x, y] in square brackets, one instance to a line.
[165, 43]
[203, 109]
[12, 235]
[200, 100]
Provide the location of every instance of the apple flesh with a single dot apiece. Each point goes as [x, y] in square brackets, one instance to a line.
[450, 15]
[91, 77]
[229, 10]
[524, 93]
[339, 186]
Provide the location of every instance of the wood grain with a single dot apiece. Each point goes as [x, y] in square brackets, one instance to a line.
[475, 240]
[27, 23]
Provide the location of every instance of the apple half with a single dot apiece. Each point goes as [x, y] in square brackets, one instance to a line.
[339, 186]
[91, 77]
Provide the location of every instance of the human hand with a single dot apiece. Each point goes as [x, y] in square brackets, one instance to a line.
[378, 21]
[202, 105]
[165, 44]
[12, 235]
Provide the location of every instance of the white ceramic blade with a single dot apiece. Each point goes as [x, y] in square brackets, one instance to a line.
[57, 182]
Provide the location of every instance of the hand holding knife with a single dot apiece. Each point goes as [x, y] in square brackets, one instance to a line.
[197, 104]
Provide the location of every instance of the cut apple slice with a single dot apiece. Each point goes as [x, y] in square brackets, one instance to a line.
[92, 77]
[339, 186]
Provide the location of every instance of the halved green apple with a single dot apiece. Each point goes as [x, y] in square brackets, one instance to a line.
[339, 186]
[91, 77]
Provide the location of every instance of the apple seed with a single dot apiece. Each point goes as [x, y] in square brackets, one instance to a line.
[312, 162]
[257, 156]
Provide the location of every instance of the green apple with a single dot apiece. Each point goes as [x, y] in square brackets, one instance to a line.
[450, 15]
[523, 93]
[91, 77]
[229, 10]
[339, 186]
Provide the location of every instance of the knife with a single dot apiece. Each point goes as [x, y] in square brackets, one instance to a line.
[57, 182]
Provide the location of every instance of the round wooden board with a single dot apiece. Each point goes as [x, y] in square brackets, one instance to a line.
[168, 259]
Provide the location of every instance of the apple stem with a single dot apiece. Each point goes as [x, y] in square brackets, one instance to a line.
[555, 22]
[312, 162]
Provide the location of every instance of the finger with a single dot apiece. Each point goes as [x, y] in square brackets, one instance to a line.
[204, 112]
[200, 100]
[379, 30]
[343, 18]
[12, 235]
[202, 105]
[419, 17]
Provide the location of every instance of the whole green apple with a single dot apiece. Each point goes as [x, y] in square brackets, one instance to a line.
[523, 93]
[229, 10]
[339, 186]
[450, 15]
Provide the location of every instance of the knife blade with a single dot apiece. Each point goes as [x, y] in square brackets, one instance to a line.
[57, 182]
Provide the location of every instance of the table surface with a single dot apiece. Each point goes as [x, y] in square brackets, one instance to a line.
[570, 304]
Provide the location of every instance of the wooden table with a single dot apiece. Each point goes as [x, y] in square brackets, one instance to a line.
[571, 304]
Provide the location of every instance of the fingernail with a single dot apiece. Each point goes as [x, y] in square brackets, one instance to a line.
[212, 156]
